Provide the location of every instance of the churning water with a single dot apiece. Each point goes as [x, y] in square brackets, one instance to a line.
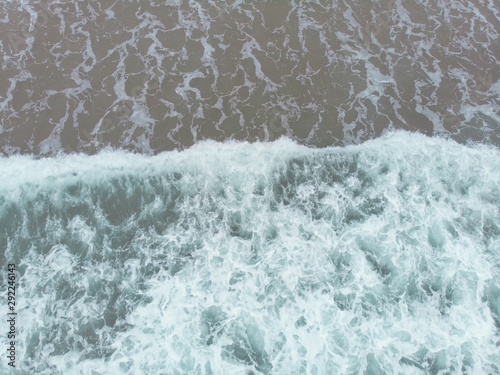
[264, 258]
[239, 187]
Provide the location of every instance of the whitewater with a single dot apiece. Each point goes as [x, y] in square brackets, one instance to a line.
[262, 258]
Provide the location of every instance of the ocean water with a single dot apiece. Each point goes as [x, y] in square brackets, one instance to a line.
[250, 186]
[257, 258]
[150, 76]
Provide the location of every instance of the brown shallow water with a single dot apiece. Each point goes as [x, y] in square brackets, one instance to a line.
[159, 75]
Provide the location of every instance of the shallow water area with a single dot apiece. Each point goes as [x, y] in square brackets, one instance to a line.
[155, 75]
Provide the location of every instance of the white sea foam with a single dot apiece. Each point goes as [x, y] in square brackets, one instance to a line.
[267, 258]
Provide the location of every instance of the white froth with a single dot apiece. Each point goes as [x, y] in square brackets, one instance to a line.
[278, 259]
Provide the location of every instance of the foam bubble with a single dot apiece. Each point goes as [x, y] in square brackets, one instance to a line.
[257, 258]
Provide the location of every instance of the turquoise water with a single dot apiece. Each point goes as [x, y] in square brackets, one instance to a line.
[264, 258]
